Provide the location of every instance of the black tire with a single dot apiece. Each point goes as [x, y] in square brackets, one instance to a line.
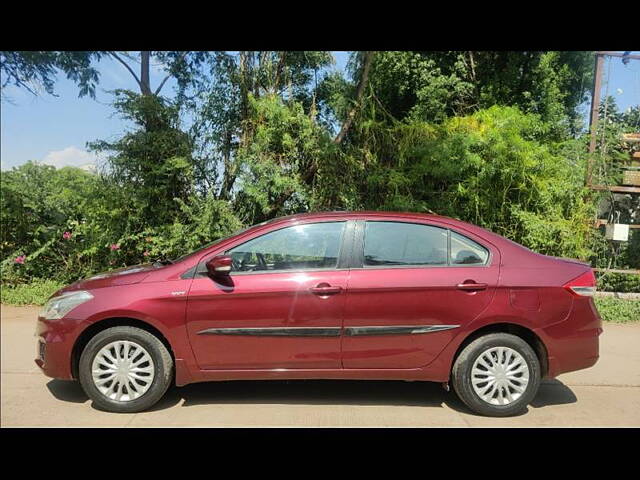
[163, 369]
[461, 374]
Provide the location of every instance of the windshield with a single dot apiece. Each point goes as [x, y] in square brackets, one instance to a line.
[237, 232]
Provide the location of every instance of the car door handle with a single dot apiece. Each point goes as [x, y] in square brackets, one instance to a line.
[472, 286]
[325, 289]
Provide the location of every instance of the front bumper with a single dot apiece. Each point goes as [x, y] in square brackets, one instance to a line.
[54, 346]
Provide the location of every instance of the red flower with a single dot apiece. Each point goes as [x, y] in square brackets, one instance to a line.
[114, 246]
[145, 253]
[66, 235]
[20, 259]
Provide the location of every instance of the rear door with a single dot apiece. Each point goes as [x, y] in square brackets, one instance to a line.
[281, 306]
[413, 286]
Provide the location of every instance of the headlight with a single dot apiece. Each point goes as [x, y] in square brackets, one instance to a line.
[59, 306]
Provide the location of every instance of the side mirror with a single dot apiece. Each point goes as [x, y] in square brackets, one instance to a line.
[220, 265]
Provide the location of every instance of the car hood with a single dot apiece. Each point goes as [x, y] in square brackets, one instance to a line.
[120, 276]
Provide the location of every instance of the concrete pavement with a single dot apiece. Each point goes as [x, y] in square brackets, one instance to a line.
[607, 394]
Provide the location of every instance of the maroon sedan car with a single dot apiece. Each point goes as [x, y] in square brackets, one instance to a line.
[364, 295]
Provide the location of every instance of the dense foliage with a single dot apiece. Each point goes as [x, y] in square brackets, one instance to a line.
[37, 292]
[618, 310]
[493, 168]
[34, 71]
[493, 138]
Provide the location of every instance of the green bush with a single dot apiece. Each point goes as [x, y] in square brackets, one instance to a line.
[618, 310]
[496, 168]
[35, 293]
[68, 224]
[618, 282]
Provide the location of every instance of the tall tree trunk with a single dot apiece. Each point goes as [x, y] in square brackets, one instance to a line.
[144, 72]
[366, 66]
[279, 70]
[245, 89]
[473, 67]
[229, 174]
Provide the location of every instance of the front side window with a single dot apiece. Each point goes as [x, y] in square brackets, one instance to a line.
[394, 243]
[467, 252]
[300, 247]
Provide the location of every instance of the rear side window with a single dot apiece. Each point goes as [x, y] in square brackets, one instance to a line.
[394, 243]
[411, 244]
[299, 247]
[467, 252]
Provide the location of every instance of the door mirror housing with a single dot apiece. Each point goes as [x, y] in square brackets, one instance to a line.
[220, 265]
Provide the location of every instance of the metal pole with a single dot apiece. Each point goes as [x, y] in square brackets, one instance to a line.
[595, 105]
[621, 55]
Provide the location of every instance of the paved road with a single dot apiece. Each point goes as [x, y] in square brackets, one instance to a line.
[605, 395]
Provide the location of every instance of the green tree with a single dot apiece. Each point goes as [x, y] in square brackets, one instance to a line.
[154, 160]
[219, 99]
[489, 137]
[494, 168]
[38, 69]
[279, 164]
[432, 86]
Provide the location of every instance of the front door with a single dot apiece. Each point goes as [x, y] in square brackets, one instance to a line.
[281, 306]
[415, 286]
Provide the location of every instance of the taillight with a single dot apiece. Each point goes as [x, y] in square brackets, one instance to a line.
[584, 285]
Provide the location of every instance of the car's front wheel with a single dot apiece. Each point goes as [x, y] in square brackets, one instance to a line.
[497, 375]
[125, 369]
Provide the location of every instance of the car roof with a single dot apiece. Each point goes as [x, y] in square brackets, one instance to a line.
[370, 214]
[358, 214]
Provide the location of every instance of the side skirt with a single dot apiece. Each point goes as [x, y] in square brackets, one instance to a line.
[418, 374]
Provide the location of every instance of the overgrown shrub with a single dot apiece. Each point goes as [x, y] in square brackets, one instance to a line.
[618, 282]
[496, 168]
[618, 310]
[35, 293]
[70, 224]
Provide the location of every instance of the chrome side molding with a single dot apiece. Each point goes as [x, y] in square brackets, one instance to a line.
[396, 330]
[327, 331]
[276, 331]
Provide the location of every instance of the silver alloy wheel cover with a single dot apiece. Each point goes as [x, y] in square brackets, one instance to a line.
[122, 371]
[500, 375]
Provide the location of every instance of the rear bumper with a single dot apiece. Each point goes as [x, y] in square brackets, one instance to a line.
[574, 344]
[575, 353]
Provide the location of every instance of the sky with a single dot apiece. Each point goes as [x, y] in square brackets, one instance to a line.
[55, 130]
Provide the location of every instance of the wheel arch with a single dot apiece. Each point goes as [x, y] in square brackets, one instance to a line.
[92, 330]
[526, 334]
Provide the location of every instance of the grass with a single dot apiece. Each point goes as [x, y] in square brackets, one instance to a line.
[35, 293]
[618, 310]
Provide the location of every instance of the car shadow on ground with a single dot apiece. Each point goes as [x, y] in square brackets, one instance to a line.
[67, 391]
[553, 392]
[317, 392]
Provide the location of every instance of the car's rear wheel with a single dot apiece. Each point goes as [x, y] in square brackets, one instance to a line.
[497, 375]
[125, 369]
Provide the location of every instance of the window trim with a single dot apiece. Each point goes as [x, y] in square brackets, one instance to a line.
[486, 263]
[358, 249]
[342, 263]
